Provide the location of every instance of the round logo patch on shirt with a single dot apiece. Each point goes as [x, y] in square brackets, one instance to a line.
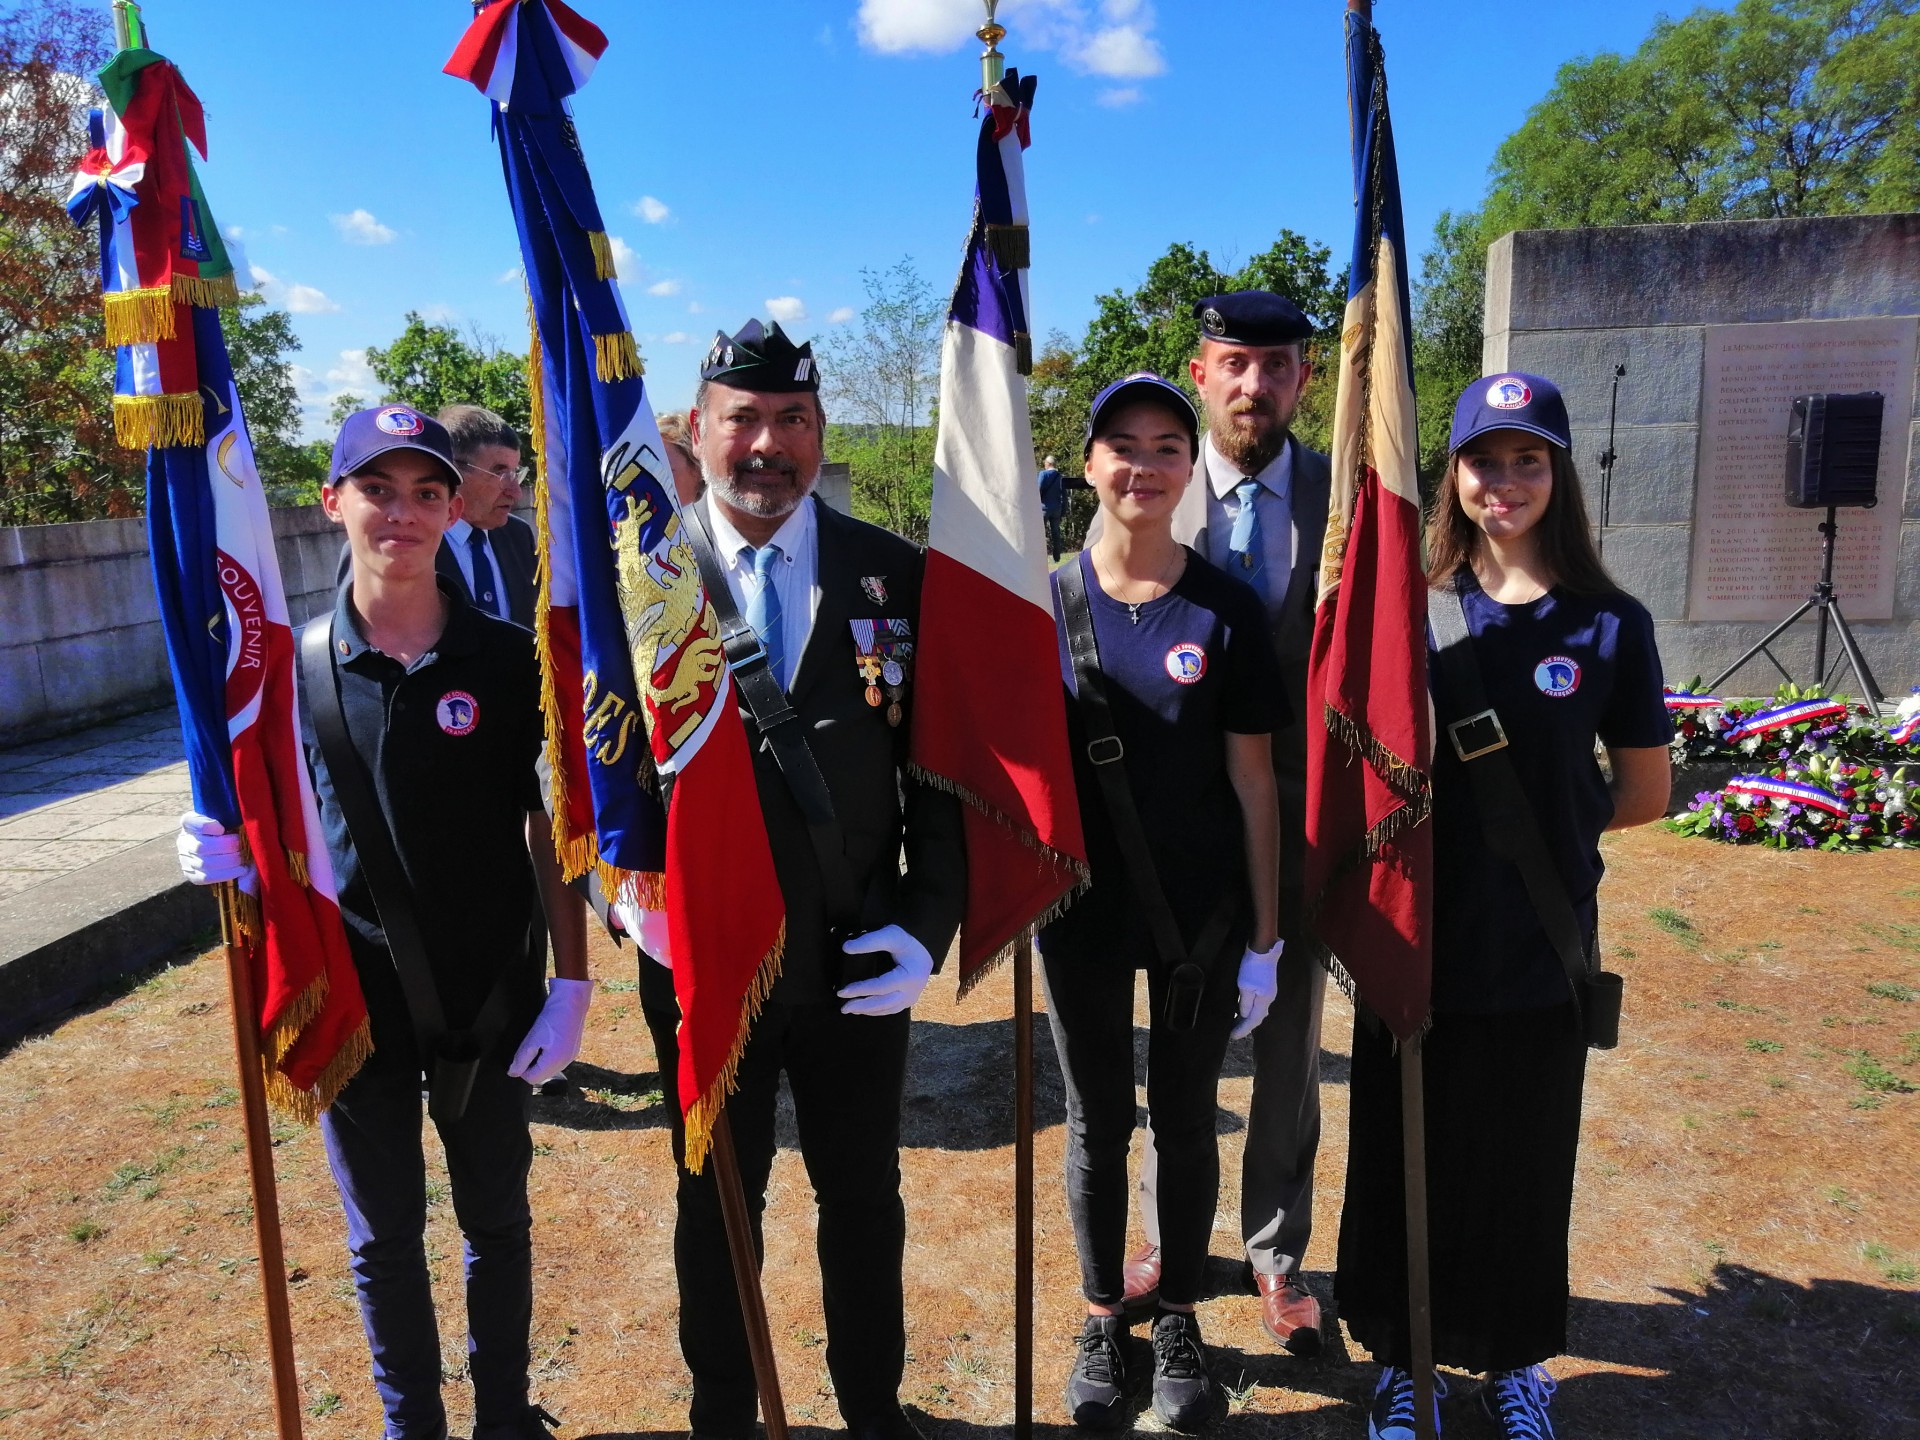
[1186, 662]
[458, 712]
[1557, 675]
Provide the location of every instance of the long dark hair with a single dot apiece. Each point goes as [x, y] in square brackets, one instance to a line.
[1566, 535]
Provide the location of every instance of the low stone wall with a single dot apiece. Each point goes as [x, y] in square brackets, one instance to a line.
[80, 642]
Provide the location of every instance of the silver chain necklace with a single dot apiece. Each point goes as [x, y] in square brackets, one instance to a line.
[1165, 584]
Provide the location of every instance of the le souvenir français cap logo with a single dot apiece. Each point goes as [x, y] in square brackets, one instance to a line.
[458, 712]
[1509, 393]
[1186, 663]
[1557, 676]
[400, 420]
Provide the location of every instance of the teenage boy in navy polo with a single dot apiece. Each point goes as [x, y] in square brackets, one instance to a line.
[442, 710]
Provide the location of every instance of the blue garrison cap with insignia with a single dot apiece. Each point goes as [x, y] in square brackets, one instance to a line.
[1252, 317]
[757, 358]
[1511, 401]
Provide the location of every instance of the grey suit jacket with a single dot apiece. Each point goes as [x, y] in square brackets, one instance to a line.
[515, 552]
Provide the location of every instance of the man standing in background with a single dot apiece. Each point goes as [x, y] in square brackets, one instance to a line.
[1053, 504]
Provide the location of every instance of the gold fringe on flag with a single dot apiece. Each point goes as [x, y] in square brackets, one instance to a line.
[701, 1114]
[206, 292]
[617, 357]
[297, 867]
[138, 317]
[142, 422]
[603, 267]
[306, 1105]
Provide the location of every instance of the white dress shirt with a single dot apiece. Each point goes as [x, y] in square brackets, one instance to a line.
[459, 543]
[1273, 504]
[794, 576]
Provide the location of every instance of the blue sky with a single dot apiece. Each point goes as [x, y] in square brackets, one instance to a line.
[753, 155]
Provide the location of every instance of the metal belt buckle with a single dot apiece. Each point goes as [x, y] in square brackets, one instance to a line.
[1477, 735]
[1099, 756]
[759, 652]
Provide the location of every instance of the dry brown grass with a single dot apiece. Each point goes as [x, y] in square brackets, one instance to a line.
[1745, 1235]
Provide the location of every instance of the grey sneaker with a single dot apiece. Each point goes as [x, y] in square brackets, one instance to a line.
[1097, 1388]
[1182, 1389]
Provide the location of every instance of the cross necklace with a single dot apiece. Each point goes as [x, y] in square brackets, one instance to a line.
[1163, 585]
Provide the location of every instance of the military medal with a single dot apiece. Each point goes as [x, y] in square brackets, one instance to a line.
[874, 697]
[894, 713]
[893, 674]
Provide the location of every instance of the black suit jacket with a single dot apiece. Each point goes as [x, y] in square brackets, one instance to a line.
[514, 555]
[882, 809]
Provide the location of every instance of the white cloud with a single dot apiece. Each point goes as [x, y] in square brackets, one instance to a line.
[233, 232]
[358, 227]
[626, 261]
[353, 373]
[841, 316]
[1120, 97]
[787, 309]
[664, 287]
[1113, 39]
[653, 211]
[675, 337]
[509, 277]
[438, 313]
[296, 299]
[694, 307]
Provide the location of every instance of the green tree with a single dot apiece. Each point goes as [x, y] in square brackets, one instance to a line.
[880, 379]
[260, 339]
[1449, 302]
[428, 366]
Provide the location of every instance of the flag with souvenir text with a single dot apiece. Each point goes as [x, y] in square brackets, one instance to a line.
[1369, 875]
[990, 723]
[638, 698]
[223, 610]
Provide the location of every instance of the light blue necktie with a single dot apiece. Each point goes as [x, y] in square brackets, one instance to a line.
[486, 581]
[1249, 555]
[763, 611]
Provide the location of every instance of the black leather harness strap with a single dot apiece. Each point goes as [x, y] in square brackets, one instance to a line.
[392, 891]
[1506, 815]
[780, 726]
[1105, 750]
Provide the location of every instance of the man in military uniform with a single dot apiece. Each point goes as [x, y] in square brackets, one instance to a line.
[835, 605]
[1257, 508]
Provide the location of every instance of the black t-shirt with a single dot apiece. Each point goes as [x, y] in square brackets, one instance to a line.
[450, 745]
[1198, 665]
[1560, 672]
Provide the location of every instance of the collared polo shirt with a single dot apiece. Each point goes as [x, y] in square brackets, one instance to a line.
[450, 744]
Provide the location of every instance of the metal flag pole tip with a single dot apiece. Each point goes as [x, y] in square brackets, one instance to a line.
[993, 65]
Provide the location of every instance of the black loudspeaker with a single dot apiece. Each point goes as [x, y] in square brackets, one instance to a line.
[1833, 450]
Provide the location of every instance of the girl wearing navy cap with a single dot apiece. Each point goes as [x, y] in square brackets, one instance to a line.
[1174, 692]
[1565, 659]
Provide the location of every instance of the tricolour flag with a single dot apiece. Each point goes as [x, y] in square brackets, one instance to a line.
[639, 701]
[991, 720]
[223, 611]
[1369, 849]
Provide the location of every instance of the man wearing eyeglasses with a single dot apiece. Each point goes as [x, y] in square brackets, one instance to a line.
[489, 547]
[489, 552]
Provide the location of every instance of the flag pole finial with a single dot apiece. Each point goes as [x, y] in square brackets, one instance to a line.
[129, 32]
[993, 65]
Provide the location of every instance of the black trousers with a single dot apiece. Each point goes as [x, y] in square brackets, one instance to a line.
[846, 1073]
[1090, 1008]
[1503, 1128]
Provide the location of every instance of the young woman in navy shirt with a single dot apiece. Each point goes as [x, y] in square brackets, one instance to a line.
[1187, 665]
[1566, 659]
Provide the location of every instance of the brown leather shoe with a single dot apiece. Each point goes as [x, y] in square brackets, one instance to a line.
[1289, 1313]
[1143, 1282]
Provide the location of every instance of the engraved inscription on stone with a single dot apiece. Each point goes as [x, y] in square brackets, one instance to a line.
[1754, 556]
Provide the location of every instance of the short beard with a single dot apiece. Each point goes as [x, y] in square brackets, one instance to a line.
[1252, 448]
[754, 502]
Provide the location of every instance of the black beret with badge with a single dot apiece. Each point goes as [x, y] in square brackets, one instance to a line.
[1252, 317]
[757, 358]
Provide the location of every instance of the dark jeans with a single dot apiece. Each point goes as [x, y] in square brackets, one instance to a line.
[374, 1147]
[846, 1073]
[1090, 1006]
[1054, 543]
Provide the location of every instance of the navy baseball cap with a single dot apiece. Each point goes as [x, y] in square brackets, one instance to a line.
[1511, 401]
[368, 434]
[1252, 317]
[1143, 385]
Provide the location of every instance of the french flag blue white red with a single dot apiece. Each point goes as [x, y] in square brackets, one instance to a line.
[1369, 878]
[990, 723]
[634, 683]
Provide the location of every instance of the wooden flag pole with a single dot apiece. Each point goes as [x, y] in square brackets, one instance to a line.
[266, 1194]
[1023, 1190]
[746, 1277]
[1413, 1144]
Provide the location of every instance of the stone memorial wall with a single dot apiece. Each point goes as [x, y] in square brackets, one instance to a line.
[1719, 326]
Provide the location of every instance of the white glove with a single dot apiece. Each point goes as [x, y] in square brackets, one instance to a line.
[208, 854]
[648, 928]
[896, 990]
[554, 1038]
[1259, 983]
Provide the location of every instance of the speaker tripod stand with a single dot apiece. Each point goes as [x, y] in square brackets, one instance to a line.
[1828, 604]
